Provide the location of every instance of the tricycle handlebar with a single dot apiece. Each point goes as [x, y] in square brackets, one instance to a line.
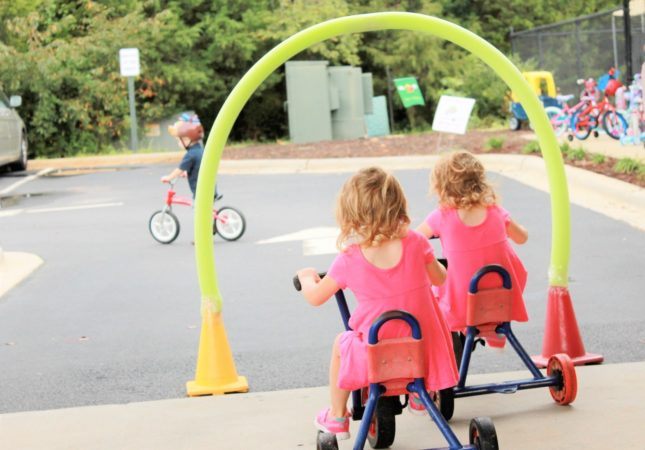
[296, 281]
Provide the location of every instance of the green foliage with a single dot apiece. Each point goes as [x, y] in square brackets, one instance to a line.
[565, 148]
[630, 166]
[577, 154]
[531, 147]
[598, 158]
[61, 56]
[494, 143]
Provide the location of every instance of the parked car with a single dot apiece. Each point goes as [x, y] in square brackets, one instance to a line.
[13, 134]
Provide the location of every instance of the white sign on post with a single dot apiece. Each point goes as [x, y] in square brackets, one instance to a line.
[452, 114]
[129, 62]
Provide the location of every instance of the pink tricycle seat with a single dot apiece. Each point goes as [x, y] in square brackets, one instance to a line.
[488, 308]
[395, 362]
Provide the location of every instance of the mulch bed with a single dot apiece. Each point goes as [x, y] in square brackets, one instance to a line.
[417, 144]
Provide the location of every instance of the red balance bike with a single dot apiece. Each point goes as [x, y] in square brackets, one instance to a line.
[228, 222]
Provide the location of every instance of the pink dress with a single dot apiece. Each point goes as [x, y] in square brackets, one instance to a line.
[405, 286]
[468, 249]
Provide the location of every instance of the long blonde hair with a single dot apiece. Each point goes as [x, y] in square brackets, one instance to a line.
[459, 180]
[371, 209]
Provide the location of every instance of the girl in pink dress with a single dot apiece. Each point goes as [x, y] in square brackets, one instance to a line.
[474, 232]
[386, 266]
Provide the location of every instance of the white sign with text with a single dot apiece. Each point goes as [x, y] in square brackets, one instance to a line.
[129, 62]
[452, 114]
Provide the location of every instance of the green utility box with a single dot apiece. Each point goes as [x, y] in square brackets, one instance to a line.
[325, 103]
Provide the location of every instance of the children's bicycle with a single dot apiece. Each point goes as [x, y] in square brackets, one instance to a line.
[396, 368]
[164, 227]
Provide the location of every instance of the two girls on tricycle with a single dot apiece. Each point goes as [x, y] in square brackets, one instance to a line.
[390, 269]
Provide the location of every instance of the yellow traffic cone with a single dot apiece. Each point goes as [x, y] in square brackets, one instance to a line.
[215, 372]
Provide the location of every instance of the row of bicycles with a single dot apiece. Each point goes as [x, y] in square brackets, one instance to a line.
[585, 118]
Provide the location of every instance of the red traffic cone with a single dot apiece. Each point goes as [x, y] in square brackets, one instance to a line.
[561, 334]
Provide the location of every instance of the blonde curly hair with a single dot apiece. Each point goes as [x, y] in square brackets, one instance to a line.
[459, 180]
[371, 209]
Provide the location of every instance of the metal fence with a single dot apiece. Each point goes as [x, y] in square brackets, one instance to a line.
[583, 47]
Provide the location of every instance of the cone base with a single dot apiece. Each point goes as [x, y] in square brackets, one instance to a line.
[194, 390]
[588, 358]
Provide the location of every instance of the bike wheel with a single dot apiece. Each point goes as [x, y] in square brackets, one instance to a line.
[229, 223]
[614, 124]
[558, 118]
[580, 130]
[382, 428]
[164, 226]
[482, 434]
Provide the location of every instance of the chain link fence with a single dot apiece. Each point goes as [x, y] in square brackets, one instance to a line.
[583, 47]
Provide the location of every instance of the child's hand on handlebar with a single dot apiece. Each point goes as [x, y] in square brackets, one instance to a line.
[308, 275]
[166, 179]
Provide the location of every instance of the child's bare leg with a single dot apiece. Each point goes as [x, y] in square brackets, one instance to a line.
[338, 396]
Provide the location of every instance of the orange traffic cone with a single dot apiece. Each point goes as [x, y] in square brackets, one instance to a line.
[215, 372]
[561, 334]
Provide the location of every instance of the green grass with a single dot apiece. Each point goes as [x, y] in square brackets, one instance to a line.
[565, 149]
[598, 158]
[629, 165]
[531, 147]
[494, 143]
[577, 154]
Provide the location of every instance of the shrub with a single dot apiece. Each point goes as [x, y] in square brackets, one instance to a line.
[531, 147]
[598, 158]
[565, 149]
[494, 143]
[628, 165]
[576, 155]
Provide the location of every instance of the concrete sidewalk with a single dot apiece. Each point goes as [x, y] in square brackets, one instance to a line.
[607, 414]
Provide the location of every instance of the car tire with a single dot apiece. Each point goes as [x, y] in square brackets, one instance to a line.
[21, 164]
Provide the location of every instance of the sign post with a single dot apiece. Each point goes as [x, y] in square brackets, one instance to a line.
[130, 68]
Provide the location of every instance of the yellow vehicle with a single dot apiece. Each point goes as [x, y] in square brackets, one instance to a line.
[544, 87]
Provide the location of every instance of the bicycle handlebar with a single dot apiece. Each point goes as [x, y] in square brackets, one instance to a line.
[296, 281]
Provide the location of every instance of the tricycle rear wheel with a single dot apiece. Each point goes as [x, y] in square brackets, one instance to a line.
[561, 364]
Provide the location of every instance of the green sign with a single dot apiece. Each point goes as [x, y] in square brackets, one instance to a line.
[409, 91]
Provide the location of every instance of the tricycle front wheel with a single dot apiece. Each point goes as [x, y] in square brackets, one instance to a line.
[382, 429]
[326, 441]
[514, 123]
[482, 434]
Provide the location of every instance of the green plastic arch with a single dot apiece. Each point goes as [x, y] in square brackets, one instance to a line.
[560, 245]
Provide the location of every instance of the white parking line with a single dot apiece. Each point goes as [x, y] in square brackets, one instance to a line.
[72, 208]
[11, 212]
[17, 184]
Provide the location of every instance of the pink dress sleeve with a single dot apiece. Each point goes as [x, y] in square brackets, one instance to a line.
[434, 222]
[428, 251]
[338, 270]
[506, 216]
